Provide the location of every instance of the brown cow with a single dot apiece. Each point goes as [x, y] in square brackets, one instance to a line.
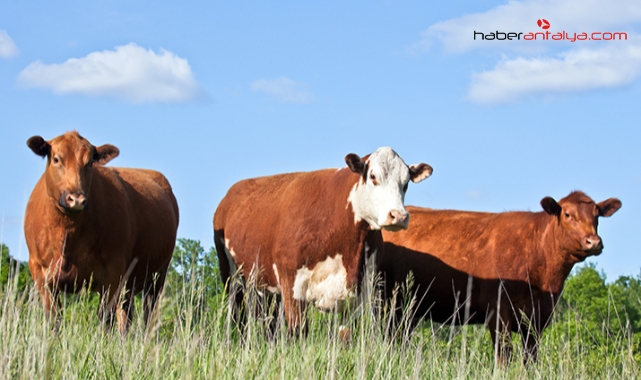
[308, 233]
[90, 224]
[514, 263]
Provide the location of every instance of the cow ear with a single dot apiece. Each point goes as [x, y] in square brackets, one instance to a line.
[105, 153]
[39, 146]
[419, 172]
[609, 206]
[355, 163]
[550, 206]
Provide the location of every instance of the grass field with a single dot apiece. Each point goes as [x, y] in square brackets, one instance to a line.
[193, 341]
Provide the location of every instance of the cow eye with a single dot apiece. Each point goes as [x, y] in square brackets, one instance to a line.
[372, 178]
[56, 160]
[567, 215]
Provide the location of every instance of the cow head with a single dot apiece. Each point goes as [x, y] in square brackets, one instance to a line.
[578, 216]
[70, 158]
[378, 197]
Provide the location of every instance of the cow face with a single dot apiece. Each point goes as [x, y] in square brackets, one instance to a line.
[70, 159]
[578, 216]
[378, 197]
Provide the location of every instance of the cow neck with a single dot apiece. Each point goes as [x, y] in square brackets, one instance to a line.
[557, 265]
[361, 228]
[360, 234]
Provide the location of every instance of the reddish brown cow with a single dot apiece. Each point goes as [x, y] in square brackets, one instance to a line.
[503, 269]
[308, 233]
[113, 228]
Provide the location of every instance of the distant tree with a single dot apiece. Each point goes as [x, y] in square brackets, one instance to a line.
[630, 289]
[12, 270]
[211, 274]
[586, 294]
[187, 261]
[593, 311]
[193, 281]
[612, 307]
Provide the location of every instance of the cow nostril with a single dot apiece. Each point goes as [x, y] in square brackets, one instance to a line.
[590, 243]
[396, 216]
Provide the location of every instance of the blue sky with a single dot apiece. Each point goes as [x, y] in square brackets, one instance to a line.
[213, 93]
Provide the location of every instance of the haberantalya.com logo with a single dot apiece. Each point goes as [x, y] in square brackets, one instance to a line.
[547, 35]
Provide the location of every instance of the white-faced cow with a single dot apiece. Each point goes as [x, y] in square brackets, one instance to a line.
[308, 233]
[113, 228]
[506, 270]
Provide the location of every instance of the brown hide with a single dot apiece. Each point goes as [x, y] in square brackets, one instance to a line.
[126, 231]
[291, 220]
[521, 257]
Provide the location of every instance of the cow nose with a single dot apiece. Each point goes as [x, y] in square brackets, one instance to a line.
[590, 243]
[398, 218]
[76, 201]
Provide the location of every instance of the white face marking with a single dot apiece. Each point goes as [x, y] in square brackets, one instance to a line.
[374, 200]
[325, 285]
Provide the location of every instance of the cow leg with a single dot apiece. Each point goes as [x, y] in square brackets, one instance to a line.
[295, 310]
[110, 306]
[501, 340]
[48, 293]
[106, 308]
[530, 341]
[125, 309]
[531, 329]
[50, 302]
[151, 292]
[49, 297]
[232, 278]
[272, 312]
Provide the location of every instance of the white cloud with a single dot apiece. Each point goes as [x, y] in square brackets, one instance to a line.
[129, 72]
[7, 48]
[572, 71]
[285, 90]
[457, 35]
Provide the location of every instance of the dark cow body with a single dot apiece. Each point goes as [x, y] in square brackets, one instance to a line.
[114, 228]
[301, 234]
[513, 263]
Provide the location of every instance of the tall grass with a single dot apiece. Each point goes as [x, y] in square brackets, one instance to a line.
[193, 339]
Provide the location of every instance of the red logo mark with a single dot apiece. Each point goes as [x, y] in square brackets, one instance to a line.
[543, 23]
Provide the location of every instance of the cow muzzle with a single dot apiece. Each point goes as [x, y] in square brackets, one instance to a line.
[396, 220]
[73, 201]
[592, 244]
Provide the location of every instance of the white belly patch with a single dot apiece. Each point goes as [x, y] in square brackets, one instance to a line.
[325, 285]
